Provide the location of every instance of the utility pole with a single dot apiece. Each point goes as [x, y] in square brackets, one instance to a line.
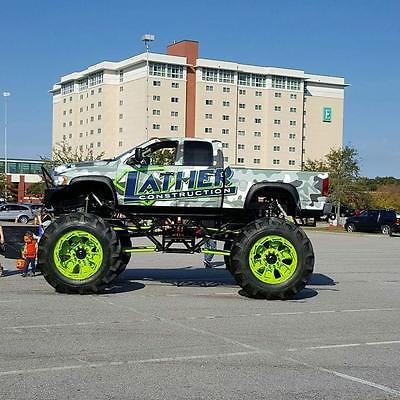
[5, 95]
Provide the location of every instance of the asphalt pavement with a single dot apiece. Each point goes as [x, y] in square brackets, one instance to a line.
[169, 329]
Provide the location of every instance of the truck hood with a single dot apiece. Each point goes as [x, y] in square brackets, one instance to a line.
[79, 165]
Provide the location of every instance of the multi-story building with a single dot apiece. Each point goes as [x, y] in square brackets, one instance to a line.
[266, 117]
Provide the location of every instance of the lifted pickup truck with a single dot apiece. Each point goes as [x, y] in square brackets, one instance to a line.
[179, 194]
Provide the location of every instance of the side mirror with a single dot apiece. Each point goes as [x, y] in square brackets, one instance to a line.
[137, 157]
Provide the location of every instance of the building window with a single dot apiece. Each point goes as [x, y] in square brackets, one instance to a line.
[92, 105]
[121, 75]
[64, 137]
[292, 149]
[80, 97]
[241, 146]
[292, 136]
[258, 80]
[209, 102]
[92, 92]
[98, 144]
[226, 159]
[64, 100]
[208, 116]
[242, 91]
[156, 112]
[95, 79]
[258, 93]
[120, 143]
[208, 130]
[256, 161]
[174, 127]
[91, 131]
[83, 84]
[121, 88]
[70, 135]
[292, 162]
[226, 89]
[91, 145]
[243, 79]
[65, 112]
[120, 130]
[99, 130]
[242, 105]
[226, 76]
[174, 113]
[258, 107]
[67, 88]
[156, 126]
[80, 134]
[209, 74]
[174, 99]
[257, 120]
[257, 147]
[276, 162]
[293, 96]
[277, 148]
[283, 82]
[156, 98]
[225, 145]
[277, 121]
[121, 102]
[225, 117]
[121, 116]
[241, 133]
[174, 71]
[80, 110]
[70, 123]
[99, 90]
[277, 135]
[175, 85]
[99, 117]
[242, 119]
[293, 109]
[257, 134]
[278, 108]
[278, 94]
[225, 131]
[226, 103]
[157, 69]
[209, 88]
[156, 83]
[292, 123]
[240, 160]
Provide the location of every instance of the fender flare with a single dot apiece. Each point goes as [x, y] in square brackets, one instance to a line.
[290, 189]
[98, 179]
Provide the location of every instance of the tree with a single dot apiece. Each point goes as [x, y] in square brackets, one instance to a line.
[343, 167]
[36, 189]
[64, 153]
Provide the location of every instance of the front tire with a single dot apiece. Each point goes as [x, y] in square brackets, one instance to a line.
[386, 230]
[23, 219]
[79, 253]
[272, 259]
[350, 227]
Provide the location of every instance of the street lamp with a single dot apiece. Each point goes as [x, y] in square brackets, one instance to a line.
[147, 39]
[5, 95]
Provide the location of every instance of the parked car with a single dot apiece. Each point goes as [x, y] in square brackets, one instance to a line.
[16, 212]
[374, 221]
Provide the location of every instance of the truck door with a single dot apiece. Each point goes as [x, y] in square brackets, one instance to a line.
[199, 181]
[150, 182]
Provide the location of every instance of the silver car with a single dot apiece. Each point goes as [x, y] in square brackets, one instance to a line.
[16, 212]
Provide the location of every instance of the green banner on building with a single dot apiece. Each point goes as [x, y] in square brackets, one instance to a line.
[327, 114]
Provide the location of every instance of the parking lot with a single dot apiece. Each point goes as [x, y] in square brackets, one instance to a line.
[169, 329]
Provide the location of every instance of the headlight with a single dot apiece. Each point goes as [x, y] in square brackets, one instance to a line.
[60, 180]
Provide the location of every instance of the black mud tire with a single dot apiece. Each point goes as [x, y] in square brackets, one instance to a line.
[102, 231]
[240, 268]
[227, 259]
[125, 257]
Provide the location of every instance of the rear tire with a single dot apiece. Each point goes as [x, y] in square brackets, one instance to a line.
[272, 259]
[125, 257]
[23, 219]
[79, 253]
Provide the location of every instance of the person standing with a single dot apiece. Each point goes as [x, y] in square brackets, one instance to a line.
[29, 254]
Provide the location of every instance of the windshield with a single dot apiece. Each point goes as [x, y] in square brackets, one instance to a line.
[131, 150]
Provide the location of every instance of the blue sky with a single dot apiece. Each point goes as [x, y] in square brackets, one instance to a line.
[360, 40]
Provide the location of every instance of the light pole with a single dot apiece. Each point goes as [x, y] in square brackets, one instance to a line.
[5, 95]
[147, 39]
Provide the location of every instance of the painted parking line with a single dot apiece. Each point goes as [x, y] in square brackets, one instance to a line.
[338, 346]
[107, 364]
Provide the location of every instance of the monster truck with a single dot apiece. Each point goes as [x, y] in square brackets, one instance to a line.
[178, 194]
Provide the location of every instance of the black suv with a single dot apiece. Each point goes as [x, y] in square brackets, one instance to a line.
[373, 221]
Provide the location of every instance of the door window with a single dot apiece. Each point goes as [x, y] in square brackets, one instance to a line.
[199, 154]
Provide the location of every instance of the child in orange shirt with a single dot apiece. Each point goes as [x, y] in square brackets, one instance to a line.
[29, 253]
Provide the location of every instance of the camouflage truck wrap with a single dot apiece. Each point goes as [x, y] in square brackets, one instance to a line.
[207, 186]
[179, 195]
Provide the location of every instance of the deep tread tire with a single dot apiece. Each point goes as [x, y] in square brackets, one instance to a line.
[97, 227]
[239, 263]
[227, 259]
[125, 257]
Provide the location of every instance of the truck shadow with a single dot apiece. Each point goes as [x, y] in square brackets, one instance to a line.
[199, 277]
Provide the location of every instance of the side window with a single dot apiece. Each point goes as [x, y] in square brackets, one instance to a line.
[198, 154]
[161, 154]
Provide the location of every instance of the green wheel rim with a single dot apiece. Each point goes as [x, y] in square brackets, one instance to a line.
[273, 259]
[78, 255]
